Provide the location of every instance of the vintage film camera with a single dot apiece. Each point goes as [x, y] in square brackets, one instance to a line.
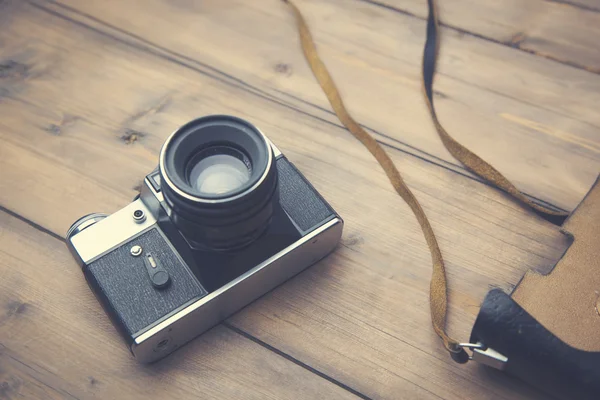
[223, 219]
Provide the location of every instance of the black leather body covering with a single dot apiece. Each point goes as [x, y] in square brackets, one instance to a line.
[534, 354]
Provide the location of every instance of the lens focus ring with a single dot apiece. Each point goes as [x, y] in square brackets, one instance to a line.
[220, 181]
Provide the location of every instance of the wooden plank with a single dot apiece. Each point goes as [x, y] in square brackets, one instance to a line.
[362, 315]
[57, 343]
[559, 30]
[591, 5]
[490, 96]
[18, 382]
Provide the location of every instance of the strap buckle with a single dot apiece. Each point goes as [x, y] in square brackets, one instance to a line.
[485, 355]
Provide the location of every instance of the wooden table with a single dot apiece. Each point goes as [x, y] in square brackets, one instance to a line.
[90, 90]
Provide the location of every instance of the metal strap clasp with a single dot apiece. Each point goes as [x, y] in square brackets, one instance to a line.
[486, 355]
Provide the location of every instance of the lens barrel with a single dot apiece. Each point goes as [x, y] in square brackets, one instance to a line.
[219, 178]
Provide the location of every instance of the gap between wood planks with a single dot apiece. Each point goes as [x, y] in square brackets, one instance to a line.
[490, 39]
[224, 323]
[382, 331]
[576, 5]
[147, 46]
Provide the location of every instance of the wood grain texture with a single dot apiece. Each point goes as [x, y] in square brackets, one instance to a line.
[564, 31]
[56, 343]
[82, 118]
[498, 101]
[591, 5]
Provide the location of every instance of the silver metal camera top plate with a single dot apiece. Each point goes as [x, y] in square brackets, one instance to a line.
[111, 232]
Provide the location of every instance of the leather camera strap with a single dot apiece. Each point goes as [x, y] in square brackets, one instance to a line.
[439, 285]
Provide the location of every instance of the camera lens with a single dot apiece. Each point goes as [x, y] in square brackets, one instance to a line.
[220, 181]
[218, 170]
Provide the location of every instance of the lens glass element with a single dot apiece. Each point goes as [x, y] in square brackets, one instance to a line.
[219, 170]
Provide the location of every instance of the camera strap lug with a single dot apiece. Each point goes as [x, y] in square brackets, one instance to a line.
[486, 355]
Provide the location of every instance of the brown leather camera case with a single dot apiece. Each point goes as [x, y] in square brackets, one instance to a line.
[549, 327]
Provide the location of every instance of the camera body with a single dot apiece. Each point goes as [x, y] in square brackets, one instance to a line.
[164, 281]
